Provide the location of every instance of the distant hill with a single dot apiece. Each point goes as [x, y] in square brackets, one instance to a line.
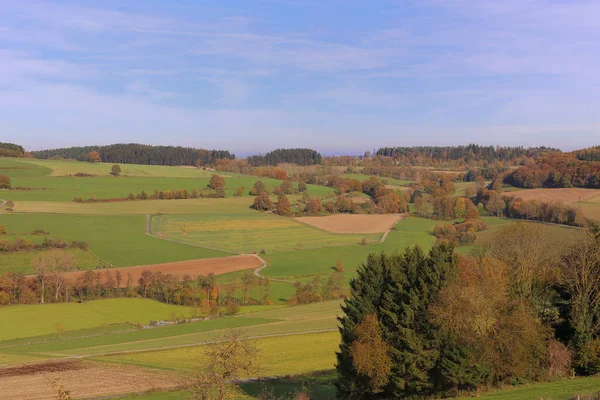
[11, 150]
[134, 153]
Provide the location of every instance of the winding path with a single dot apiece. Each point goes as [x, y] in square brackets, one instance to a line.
[2, 204]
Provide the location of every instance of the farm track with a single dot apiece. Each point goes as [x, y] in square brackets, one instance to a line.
[2, 204]
[391, 227]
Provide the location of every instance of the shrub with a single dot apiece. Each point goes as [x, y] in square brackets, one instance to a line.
[363, 241]
[115, 170]
[4, 182]
[262, 202]
[2, 230]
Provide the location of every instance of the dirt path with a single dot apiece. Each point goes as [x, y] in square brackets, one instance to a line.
[389, 230]
[2, 204]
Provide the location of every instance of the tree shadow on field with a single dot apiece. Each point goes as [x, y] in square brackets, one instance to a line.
[319, 385]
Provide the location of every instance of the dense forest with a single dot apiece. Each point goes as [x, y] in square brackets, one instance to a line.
[11, 150]
[133, 153]
[472, 152]
[295, 156]
[557, 171]
[524, 307]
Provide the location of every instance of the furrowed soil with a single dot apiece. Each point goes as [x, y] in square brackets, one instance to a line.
[82, 379]
[192, 268]
[344, 223]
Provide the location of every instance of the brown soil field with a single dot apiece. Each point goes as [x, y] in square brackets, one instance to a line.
[82, 379]
[192, 268]
[344, 223]
[570, 195]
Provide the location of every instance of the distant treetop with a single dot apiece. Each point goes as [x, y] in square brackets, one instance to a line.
[470, 152]
[294, 156]
[133, 153]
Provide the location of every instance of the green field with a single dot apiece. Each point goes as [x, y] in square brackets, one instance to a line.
[41, 319]
[280, 355]
[50, 180]
[246, 233]
[95, 314]
[117, 240]
[390, 181]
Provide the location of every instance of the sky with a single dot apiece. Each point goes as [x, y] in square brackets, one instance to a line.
[339, 76]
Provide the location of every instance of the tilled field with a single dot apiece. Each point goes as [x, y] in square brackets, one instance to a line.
[346, 223]
[83, 379]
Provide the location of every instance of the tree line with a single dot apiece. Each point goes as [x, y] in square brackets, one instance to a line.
[134, 153]
[467, 153]
[523, 307]
[51, 283]
[11, 150]
[295, 156]
[557, 171]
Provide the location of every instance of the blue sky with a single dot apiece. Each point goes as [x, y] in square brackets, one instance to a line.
[339, 76]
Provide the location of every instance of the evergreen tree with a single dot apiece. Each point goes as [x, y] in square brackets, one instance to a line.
[366, 294]
[398, 288]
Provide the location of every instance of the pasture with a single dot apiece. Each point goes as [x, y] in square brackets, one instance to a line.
[252, 232]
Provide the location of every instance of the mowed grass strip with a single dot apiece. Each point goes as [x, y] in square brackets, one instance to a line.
[117, 240]
[250, 232]
[296, 319]
[280, 355]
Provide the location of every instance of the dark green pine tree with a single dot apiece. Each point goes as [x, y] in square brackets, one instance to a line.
[366, 294]
[404, 314]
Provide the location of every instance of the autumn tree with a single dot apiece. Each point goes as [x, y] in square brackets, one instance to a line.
[287, 187]
[581, 272]
[313, 206]
[371, 353]
[460, 208]
[94, 156]
[115, 170]
[217, 182]
[283, 206]
[50, 268]
[2, 230]
[262, 202]
[227, 360]
[4, 182]
[302, 187]
[258, 188]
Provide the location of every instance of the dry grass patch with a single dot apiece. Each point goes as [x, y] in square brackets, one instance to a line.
[345, 223]
[569, 195]
[82, 379]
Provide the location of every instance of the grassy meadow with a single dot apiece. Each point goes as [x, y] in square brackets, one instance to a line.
[251, 232]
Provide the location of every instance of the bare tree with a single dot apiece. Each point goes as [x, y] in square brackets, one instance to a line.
[226, 361]
[50, 268]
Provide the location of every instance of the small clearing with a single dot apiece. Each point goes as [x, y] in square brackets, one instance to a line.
[82, 379]
[568, 195]
[345, 223]
[192, 268]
